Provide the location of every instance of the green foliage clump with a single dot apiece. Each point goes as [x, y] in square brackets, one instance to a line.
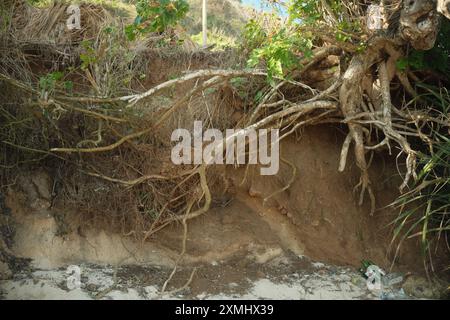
[38, 2]
[304, 11]
[281, 52]
[254, 35]
[279, 46]
[156, 16]
[52, 81]
[89, 55]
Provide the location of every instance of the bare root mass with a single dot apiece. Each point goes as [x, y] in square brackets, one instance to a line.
[108, 146]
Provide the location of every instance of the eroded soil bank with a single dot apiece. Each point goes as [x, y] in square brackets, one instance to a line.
[255, 241]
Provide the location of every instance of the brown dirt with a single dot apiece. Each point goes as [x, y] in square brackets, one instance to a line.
[317, 216]
[329, 224]
[216, 278]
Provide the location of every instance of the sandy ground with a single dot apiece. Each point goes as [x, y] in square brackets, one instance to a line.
[276, 280]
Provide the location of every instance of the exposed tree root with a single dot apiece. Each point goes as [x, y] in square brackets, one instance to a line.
[288, 185]
[206, 193]
[359, 97]
[187, 216]
[293, 114]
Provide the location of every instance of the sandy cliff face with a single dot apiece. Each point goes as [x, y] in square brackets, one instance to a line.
[316, 216]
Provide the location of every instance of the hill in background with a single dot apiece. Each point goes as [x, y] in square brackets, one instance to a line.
[228, 16]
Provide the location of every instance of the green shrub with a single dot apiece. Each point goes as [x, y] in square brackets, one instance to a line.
[425, 210]
[279, 46]
[156, 16]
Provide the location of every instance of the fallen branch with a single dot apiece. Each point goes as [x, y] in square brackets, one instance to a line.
[133, 99]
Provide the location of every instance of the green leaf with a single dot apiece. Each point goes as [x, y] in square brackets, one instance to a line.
[68, 85]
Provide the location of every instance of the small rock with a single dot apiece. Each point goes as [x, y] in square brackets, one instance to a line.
[420, 287]
[5, 272]
[252, 192]
[37, 187]
[358, 281]
[283, 210]
[315, 223]
[318, 265]
[345, 277]
[92, 287]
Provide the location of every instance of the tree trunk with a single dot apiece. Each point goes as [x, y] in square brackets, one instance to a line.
[443, 7]
[419, 23]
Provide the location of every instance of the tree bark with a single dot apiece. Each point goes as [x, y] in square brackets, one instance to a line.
[419, 23]
[443, 7]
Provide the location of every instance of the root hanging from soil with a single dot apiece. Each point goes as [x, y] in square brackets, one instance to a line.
[189, 215]
[108, 148]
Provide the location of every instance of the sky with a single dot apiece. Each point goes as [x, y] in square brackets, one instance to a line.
[258, 4]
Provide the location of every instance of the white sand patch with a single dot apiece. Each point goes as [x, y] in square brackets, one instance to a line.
[334, 283]
[299, 288]
[40, 291]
